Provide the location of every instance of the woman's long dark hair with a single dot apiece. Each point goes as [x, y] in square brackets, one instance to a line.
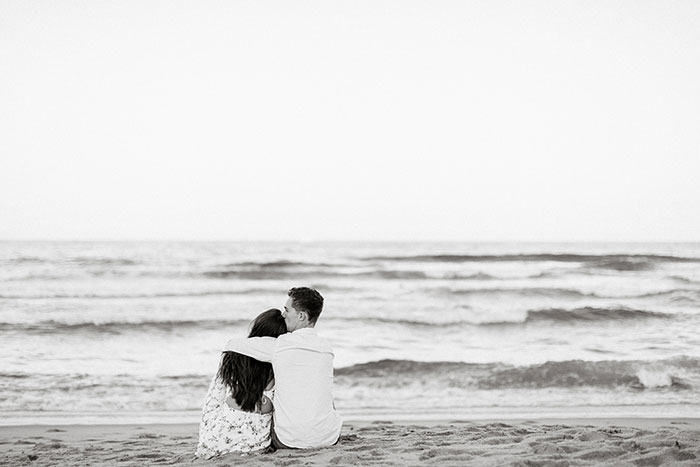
[245, 376]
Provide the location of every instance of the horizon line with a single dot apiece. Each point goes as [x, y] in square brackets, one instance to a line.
[331, 240]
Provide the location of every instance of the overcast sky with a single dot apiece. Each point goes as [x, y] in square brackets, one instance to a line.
[308, 120]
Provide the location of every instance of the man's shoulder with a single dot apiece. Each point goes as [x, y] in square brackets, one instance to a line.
[306, 338]
[302, 335]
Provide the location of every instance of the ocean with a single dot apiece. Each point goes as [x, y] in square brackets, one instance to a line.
[105, 332]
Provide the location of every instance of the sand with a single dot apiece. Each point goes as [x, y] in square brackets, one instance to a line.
[553, 442]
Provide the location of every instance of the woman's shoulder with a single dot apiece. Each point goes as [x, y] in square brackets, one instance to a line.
[267, 397]
[266, 406]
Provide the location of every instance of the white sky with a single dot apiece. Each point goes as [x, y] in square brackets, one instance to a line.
[395, 120]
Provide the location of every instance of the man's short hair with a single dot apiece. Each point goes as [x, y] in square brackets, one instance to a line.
[308, 300]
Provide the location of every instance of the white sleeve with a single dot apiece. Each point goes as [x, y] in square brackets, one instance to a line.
[260, 348]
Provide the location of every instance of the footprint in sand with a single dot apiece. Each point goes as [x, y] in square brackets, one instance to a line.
[446, 454]
[593, 436]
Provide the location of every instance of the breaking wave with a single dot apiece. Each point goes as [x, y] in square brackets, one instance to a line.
[202, 293]
[681, 296]
[280, 274]
[51, 327]
[591, 314]
[563, 258]
[553, 315]
[675, 373]
[617, 262]
[524, 291]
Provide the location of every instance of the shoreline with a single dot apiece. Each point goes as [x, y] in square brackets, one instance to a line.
[503, 441]
[514, 414]
[633, 422]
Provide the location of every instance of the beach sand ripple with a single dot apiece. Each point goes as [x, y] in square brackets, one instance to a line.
[544, 444]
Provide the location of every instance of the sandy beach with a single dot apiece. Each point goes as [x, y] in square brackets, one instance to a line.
[547, 442]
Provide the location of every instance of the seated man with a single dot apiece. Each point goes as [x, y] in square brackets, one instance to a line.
[305, 415]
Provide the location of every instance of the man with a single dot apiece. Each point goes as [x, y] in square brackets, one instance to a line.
[305, 415]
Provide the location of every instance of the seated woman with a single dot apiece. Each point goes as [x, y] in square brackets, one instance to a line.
[237, 413]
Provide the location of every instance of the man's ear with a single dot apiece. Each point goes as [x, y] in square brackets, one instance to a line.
[303, 316]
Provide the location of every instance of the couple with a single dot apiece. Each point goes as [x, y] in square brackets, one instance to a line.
[273, 389]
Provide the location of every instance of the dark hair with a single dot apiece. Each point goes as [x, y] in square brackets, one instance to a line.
[308, 300]
[245, 376]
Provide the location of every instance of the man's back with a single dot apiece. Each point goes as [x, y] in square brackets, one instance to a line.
[304, 415]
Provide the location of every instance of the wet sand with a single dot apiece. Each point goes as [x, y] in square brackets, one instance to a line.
[547, 442]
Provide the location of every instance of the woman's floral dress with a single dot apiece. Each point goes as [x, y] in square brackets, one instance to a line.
[224, 429]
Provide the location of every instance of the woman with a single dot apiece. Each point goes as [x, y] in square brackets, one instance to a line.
[237, 412]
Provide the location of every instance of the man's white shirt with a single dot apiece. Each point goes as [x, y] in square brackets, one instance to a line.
[304, 415]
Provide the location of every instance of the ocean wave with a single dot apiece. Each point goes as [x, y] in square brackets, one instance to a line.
[25, 260]
[270, 273]
[126, 384]
[81, 260]
[401, 321]
[14, 375]
[556, 315]
[103, 261]
[117, 327]
[281, 274]
[200, 293]
[521, 291]
[591, 314]
[40, 277]
[684, 279]
[479, 276]
[553, 315]
[674, 295]
[690, 296]
[577, 373]
[280, 264]
[677, 373]
[620, 262]
[624, 264]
